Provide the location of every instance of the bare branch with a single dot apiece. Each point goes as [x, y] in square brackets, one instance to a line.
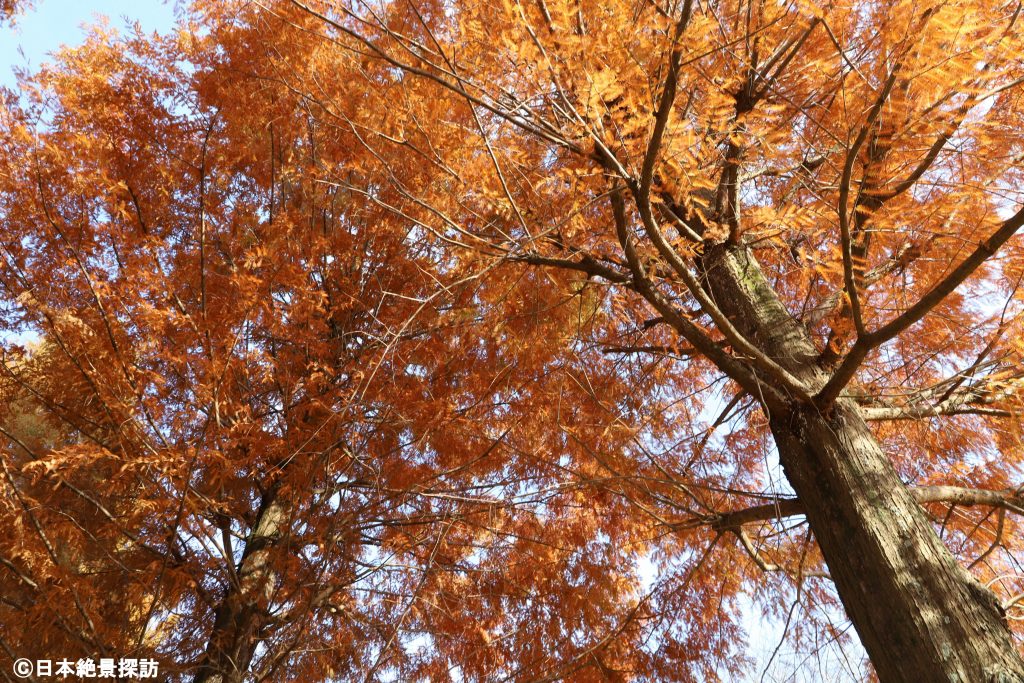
[934, 297]
[668, 98]
[1010, 499]
[844, 195]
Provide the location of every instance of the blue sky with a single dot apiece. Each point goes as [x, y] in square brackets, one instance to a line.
[52, 23]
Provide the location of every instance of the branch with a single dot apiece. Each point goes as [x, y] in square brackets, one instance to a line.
[586, 264]
[697, 337]
[787, 51]
[740, 343]
[876, 414]
[934, 297]
[944, 288]
[844, 195]
[766, 566]
[897, 262]
[668, 98]
[511, 116]
[1008, 499]
[972, 400]
[657, 349]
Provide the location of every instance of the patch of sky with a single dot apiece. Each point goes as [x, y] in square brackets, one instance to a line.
[838, 658]
[51, 24]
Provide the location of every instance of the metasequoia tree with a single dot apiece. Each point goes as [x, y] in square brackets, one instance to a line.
[395, 340]
[253, 424]
[802, 197]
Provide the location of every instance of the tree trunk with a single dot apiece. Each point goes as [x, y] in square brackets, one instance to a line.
[920, 616]
[241, 615]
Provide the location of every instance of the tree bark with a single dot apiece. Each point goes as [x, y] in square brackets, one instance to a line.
[920, 616]
[241, 615]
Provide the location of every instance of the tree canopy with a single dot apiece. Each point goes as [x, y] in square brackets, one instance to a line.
[520, 341]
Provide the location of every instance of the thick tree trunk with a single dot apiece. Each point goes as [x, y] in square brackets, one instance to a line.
[920, 616]
[241, 615]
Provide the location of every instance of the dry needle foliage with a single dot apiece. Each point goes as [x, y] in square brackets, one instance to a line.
[349, 341]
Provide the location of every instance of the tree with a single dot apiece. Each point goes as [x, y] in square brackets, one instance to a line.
[274, 450]
[391, 340]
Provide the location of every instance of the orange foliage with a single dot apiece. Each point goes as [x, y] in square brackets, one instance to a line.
[340, 357]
